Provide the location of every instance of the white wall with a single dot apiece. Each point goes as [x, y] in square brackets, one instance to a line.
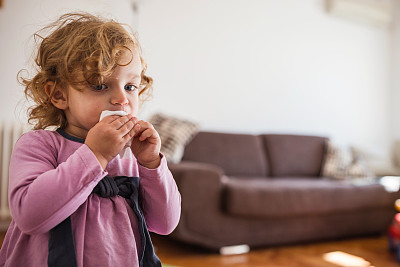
[241, 65]
[395, 123]
[269, 66]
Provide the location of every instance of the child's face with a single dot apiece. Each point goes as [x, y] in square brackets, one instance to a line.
[117, 92]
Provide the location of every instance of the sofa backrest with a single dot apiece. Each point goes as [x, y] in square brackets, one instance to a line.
[236, 154]
[294, 155]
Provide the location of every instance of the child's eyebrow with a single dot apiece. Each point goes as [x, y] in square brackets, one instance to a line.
[136, 76]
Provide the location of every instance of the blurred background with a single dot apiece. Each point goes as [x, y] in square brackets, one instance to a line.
[246, 66]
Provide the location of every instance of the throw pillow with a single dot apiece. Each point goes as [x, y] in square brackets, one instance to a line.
[344, 164]
[175, 134]
[336, 162]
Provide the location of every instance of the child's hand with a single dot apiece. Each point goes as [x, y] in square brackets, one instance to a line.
[109, 136]
[146, 145]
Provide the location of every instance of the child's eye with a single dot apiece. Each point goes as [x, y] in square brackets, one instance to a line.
[100, 87]
[129, 87]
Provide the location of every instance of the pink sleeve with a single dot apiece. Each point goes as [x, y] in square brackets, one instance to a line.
[42, 193]
[161, 199]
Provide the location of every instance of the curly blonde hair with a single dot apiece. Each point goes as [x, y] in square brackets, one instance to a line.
[77, 45]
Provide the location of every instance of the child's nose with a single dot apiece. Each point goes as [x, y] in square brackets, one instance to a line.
[119, 97]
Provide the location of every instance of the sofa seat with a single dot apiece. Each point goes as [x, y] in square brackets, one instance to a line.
[289, 196]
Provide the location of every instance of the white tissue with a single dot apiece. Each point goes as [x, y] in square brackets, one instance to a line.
[125, 152]
[106, 113]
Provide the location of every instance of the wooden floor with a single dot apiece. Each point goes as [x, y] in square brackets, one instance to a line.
[368, 251]
[360, 252]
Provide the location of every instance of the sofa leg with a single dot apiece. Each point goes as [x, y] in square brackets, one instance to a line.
[234, 250]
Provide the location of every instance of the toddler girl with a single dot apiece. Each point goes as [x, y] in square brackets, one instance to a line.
[74, 200]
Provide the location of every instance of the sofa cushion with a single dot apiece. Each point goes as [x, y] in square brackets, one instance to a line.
[285, 197]
[236, 154]
[294, 155]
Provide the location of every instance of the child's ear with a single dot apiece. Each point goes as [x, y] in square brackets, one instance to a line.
[57, 95]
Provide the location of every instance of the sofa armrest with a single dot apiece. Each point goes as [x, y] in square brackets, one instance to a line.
[200, 184]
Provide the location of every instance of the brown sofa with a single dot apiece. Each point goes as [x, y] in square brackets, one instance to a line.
[264, 190]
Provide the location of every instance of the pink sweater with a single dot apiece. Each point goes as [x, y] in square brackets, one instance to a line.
[52, 178]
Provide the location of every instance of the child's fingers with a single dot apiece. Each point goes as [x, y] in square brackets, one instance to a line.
[126, 128]
[137, 129]
[129, 135]
[144, 130]
[118, 122]
[146, 134]
[110, 119]
[124, 125]
[141, 126]
[115, 121]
